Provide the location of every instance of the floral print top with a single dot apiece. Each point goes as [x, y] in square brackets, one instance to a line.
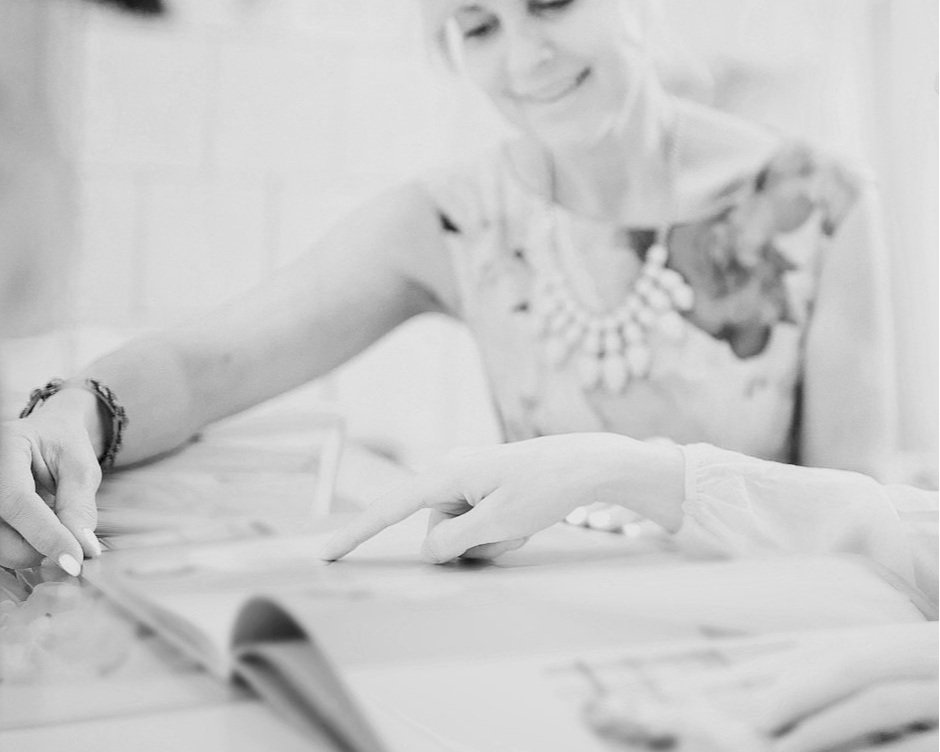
[730, 375]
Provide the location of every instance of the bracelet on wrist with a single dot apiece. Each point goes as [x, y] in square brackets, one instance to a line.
[106, 398]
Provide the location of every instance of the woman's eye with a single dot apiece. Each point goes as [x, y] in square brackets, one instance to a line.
[548, 6]
[480, 29]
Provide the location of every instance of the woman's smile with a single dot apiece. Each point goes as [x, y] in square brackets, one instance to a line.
[563, 71]
[551, 91]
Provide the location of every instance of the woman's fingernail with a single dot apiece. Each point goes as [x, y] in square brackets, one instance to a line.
[92, 540]
[70, 564]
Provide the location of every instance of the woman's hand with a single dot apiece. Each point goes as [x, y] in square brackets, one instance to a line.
[853, 691]
[858, 692]
[867, 690]
[49, 475]
[488, 501]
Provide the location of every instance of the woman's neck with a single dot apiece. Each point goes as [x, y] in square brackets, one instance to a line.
[624, 174]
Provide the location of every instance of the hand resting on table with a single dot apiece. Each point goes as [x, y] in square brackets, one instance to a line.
[488, 501]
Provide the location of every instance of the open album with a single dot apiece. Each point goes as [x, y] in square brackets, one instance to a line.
[382, 652]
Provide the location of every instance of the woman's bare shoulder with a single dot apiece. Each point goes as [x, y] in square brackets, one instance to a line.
[466, 191]
[416, 223]
[727, 159]
[718, 154]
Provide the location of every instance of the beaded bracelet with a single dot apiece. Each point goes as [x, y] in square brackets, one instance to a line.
[105, 397]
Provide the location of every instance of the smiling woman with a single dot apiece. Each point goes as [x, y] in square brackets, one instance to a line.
[663, 262]
[627, 261]
[507, 49]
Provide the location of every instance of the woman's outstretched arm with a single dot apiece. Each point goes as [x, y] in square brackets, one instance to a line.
[489, 501]
[374, 270]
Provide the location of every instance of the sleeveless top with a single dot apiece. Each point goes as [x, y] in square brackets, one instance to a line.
[730, 376]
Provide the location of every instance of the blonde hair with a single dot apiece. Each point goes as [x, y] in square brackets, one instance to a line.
[442, 34]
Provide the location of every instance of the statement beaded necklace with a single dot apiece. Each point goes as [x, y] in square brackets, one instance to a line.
[609, 348]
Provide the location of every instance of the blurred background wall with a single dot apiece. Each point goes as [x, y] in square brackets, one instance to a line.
[210, 146]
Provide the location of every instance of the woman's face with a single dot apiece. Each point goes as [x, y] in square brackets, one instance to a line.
[561, 70]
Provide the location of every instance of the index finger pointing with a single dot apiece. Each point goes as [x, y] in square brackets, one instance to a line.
[403, 500]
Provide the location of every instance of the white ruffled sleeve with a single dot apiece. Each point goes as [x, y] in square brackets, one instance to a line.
[740, 506]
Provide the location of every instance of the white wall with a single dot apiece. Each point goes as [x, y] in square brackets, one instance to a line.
[216, 144]
[904, 149]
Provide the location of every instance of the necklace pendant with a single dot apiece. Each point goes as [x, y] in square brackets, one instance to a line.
[638, 359]
[671, 325]
[656, 255]
[613, 342]
[615, 374]
[670, 279]
[594, 340]
[645, 317]
[632, 333]
[658, 299]
[643, 286]
[589, 371]
[683, 297]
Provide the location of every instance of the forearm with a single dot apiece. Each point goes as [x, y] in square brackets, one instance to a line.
[651, 483]
[738, 506]
[151, 380]
[365, 277]
[174, 383]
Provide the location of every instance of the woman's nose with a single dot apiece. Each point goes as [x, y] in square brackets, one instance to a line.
[529, 48]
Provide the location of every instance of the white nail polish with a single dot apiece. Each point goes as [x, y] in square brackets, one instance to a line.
[70, 564]
[92, 540]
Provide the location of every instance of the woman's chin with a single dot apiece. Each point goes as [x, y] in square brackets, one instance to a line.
[570, 134]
